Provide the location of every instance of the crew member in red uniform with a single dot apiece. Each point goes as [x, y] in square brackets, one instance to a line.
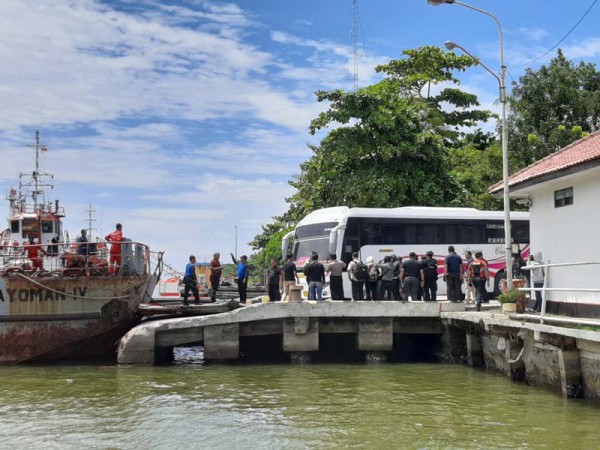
[115, 249]
[33, 251]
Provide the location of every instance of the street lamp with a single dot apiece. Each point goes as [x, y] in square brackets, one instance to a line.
[502, 84]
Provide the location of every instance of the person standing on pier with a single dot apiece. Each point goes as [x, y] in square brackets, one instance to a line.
[470, 292]
[386, 287]
[412, 277]
[242, 276]
[115, 239]
[356, 269]
[430, 271]
[480, 276]
[216, 269]
[315, 275]
[274, 279]
[371, 283]
[453, 275]
[336, 285]
[190, 282]
[290, 275]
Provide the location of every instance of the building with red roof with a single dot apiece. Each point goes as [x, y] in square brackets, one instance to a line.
[563, 194]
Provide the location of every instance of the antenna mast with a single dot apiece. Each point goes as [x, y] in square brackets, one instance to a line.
[90, 220]
[36, 181]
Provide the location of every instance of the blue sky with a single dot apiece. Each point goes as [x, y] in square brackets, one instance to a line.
[182, 119]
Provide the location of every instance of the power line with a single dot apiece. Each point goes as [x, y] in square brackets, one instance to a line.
[564, 37]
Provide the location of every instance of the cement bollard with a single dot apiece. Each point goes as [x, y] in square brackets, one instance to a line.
[295, 294]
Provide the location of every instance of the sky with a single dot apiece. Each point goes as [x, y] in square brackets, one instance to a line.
[184, 120]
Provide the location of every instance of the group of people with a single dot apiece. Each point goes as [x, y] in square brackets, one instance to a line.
[395, 279]
[190, 279]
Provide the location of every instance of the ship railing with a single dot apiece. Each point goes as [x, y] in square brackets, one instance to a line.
[546, 291]
[79, 259]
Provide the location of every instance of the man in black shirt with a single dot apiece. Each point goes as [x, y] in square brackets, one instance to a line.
[411, 275]
[290, 275]
[315, 275]
[430, 271]
[274, 277]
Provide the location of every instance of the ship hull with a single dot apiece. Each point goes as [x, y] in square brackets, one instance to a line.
[63, 318]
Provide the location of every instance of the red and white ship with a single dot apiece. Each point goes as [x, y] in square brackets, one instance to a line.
[56, 304]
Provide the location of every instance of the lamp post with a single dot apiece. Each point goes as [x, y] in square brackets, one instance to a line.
[236, 241]
[502, 85]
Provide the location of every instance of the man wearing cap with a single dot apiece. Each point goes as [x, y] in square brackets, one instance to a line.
[430, 271]
[411, 275]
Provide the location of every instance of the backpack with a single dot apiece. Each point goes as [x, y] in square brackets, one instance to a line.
[360, 271]
[430, 268]
[373, 273]
[477, 270]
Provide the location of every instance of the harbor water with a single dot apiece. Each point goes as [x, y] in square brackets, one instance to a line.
[190, 405]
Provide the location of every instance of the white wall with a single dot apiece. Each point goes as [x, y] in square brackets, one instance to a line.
[569, 233]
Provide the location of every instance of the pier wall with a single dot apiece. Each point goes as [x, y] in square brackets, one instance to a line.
[559, 359]
[564, 360]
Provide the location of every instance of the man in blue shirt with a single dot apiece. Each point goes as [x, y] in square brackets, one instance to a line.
[190, 282]
[453, 275]
[242, 276]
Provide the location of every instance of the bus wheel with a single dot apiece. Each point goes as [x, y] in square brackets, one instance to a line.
[498, 283]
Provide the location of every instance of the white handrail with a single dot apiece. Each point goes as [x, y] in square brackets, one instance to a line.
[544, 289]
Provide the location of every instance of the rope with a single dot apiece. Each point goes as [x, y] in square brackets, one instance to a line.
[66, 293]
[512, 361]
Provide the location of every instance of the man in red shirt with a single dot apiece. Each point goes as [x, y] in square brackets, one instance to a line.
[33, 251]
[216, 269]
[115, 249]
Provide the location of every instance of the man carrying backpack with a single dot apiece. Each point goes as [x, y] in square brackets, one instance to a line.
[480, 276]
[371, 283]
[358, 273]
[430, 270]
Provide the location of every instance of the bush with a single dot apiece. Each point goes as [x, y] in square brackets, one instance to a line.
[511, 296]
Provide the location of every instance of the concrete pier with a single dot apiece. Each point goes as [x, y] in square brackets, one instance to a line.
[299, 323]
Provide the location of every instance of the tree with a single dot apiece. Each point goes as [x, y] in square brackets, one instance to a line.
[552, 107]
[392, 146]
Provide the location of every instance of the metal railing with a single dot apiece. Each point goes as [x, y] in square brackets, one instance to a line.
[545, 289]
[79, 259]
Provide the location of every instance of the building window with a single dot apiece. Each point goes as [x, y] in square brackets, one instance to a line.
[563, 197]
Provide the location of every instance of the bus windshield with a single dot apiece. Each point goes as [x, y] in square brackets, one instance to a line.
[303, 249]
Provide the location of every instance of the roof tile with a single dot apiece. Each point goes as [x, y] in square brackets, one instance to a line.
[576, 153]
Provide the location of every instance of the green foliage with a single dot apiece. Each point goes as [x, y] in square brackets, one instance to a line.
[552, 107]
[271, 250]
[475, 169]
[511, 296]
[392, 146]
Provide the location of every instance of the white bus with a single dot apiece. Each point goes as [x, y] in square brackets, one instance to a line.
[378, 232]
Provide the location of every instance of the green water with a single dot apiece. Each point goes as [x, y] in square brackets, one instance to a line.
[284, 406]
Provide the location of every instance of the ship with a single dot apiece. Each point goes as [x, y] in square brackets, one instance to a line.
[60, 301]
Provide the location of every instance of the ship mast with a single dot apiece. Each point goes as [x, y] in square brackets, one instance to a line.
[36, 181]
[90, 219]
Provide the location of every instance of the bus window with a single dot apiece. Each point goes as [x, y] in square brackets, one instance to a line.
[429, 234]
[520, 232]
[450, 233]
[470, 234]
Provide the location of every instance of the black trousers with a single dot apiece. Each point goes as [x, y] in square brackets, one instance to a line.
[190, 285]
[386, 290]
[371, 288]
[336, 286]
[481, 291]
[274, 294]
[396, 289]
[430, 289]
[453, 284]
[357, 290]
[242, 286]
[214, 286]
